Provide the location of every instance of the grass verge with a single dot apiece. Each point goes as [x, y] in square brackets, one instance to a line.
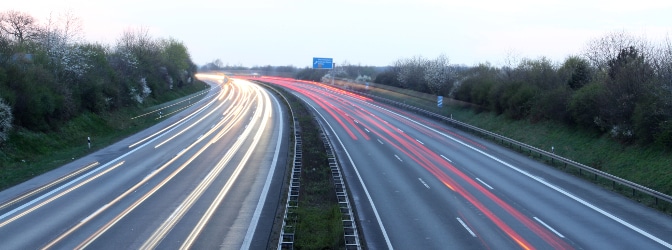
[647, 166]
[29, 153]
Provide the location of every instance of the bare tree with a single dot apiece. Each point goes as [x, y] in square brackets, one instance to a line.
[21, 26]
[600, 51]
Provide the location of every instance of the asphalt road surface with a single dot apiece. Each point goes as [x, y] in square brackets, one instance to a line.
[207, 177]
[419, 184]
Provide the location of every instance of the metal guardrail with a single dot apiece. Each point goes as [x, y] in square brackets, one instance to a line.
[350, 233]
[614, 179]
[288, 229]
[286, 240]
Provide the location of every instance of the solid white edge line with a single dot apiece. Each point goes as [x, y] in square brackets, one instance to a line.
[549, 227]
[262, 200]
[466, 227]
[86, 175]
[361, 181]
[585, 203]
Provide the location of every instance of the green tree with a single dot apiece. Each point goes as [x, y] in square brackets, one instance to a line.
[630, 78]
[584, 106]
[577, 72]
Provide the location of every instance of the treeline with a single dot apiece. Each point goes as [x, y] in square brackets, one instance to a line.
[343, 70]
[218, 65]
[48, 75]
[432, 76]
[621, 85]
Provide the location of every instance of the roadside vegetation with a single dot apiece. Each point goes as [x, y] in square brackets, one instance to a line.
[608, 108]
[620, 86]
[319, 222]
[56, 90]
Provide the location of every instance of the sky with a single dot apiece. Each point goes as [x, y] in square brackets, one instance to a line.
[366, 32]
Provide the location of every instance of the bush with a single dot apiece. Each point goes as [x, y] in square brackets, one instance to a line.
[584, 106]
[6, 120]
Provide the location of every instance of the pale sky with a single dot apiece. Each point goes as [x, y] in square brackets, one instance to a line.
[367, 32]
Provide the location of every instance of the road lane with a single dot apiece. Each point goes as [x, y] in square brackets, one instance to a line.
[480, 195]
[168, 182]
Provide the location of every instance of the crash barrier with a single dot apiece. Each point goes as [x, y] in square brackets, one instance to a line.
[288, 229]
[350, 234]
[615, 180]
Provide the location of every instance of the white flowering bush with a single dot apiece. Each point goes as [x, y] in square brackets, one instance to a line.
[6, 119]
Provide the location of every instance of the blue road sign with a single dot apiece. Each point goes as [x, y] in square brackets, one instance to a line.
[323, 63]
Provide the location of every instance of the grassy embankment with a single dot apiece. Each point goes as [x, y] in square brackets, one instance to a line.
[648, 166]
[319, 220]
[28, 153]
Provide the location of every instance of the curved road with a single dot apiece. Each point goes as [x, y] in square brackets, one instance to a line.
[418, 184]
[208, 177]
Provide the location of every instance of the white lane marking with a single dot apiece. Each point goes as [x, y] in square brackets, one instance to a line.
[361, 181]
[424, 183]
[549, 227]
[184, 120]
[446, 158]
[466, 227]
[367, 131]
[549, 185]
[400, 130]
[419, 141]
[70, 183]
[485, 184]
[260, 205]
[94, 214]
[381, 142]
[398, 158]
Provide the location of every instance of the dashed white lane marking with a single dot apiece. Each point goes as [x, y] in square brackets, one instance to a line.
[381, 142]
[423, 183]
[485, 184]
[398, 158]
[419, 141]
[367, 131]
[466, 227]
[549, 227]
[446, 158]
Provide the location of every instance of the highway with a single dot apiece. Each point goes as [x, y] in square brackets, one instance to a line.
[420, 184]
[207, 177]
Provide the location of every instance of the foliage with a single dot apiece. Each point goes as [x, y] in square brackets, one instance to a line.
[620, 86]
[48, 76]
[311, 74]
[6, 119]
